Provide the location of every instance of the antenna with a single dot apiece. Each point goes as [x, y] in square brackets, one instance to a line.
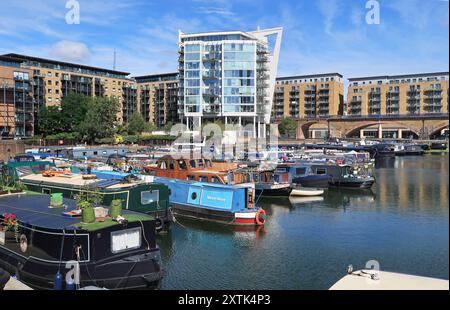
[114, 61]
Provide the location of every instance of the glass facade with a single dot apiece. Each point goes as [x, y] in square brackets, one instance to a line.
[220, 75]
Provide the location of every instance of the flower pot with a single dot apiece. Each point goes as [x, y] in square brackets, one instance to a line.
[88, 215]
[116, 210]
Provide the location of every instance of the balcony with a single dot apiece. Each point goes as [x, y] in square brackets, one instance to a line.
[212, 57]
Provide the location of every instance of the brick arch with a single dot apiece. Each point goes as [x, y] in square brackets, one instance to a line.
[372, 123]
[303, 128]
[439, 127]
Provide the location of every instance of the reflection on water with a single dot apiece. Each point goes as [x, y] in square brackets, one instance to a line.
[308, 243]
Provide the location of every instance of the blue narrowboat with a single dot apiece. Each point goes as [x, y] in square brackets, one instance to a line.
[303, 174]
[228, 204]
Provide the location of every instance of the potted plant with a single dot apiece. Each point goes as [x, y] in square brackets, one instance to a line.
[18, 187]
[87, 212]
[116, 208]
[10, 224]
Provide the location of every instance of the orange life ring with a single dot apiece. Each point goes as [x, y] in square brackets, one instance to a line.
[260, 221]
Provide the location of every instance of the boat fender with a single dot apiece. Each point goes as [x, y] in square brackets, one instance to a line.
[159, 224]
[57, 285]
[260, 217]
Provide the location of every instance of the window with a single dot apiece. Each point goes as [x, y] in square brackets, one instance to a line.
[191, 178]
[321, 171]
[192, 163]
[163, 165]
[215, 180]
[300, 171]
[149, 197]
[203, 178]
[182, 165]
[172, 165]
[125, 240]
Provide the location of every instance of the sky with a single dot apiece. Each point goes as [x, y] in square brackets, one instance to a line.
[320, 36]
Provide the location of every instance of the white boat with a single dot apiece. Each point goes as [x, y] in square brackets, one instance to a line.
[382, 280]
[306, 192]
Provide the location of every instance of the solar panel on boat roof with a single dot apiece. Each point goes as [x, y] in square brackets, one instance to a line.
[105, 183]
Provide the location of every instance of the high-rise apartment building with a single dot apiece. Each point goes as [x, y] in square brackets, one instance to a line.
[17, 108]
[228, 76]
[158, 98]
[309, 96]
[51, 80]
[412, 94]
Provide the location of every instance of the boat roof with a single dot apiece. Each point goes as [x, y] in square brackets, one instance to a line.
[388, 281]
[34, 210]
[76, 179]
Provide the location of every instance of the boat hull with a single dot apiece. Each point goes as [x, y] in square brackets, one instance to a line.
[273, 192]
[317, 181]
[302, 192]
[361, 184]
[113, 274]
[224, 217]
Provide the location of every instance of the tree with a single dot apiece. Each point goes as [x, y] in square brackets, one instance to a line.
[288, 126]
[136, 124]
[168, 126]
[73, 110]
[49, 120]
[101, 119]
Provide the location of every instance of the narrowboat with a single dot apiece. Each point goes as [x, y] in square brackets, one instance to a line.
[408, 150]
[149, 198]
[204, 170]
[345, 176]
[42, 247]
[303, 175]
[226, 204]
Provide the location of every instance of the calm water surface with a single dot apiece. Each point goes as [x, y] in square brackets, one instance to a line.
[403, 223]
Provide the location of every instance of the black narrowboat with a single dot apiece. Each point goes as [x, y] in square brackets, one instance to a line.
[45, 245]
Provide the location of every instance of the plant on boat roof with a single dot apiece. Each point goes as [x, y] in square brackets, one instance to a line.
[19, 186]
[10, 222]
[89, 194]
[84, 204]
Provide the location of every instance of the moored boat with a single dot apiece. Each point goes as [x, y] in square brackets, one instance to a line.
[41, 245]
[306, 192]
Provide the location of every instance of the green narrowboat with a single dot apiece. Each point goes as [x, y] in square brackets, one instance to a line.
[136, 195]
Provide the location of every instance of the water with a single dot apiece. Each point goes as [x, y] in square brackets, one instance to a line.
[403, 223]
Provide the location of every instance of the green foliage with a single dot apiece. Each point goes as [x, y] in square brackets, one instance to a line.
[149, 127]
[288, 126]
[89, 195]
[73, 111]
[130, 139]
[101, 119]
[49, 120]
[136, 124]
[168, 126]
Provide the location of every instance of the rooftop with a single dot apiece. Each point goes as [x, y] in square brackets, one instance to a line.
[298, 77]
[389, 77]
[25, 58]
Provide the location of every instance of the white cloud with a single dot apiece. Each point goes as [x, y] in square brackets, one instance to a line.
[329, 9]
[71, 51]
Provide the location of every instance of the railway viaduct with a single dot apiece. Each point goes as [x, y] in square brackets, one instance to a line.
[424, 126]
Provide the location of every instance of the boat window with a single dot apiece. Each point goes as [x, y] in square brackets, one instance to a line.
[125, 240]
[192, 163]
[46, 191]
[276, 178]
[321, 171]
[191, 178]
[182, 165]
[200, 163]
[163, 165]
[172, 165]
[203, 178]
[95, 153]
[216, 180]
[149, 197]
[300, 170]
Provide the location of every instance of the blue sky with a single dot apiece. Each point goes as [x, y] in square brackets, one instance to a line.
[319, 35]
